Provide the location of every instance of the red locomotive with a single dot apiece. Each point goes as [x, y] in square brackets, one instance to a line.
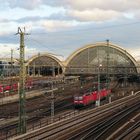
[90, 97]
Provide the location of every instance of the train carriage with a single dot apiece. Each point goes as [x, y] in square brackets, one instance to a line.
[7, 69]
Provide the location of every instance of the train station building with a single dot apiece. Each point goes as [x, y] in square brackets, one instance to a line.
[44, 65]
[103, 58]
[88, 60]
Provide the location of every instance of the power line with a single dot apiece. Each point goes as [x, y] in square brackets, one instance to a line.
[41, 44]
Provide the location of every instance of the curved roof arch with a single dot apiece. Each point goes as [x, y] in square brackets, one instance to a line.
[96, 45]
[123, 53]
[33, 58]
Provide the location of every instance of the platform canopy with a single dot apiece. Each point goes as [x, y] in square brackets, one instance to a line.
[101, 57]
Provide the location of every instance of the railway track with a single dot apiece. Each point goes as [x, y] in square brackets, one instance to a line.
[68, 127]
[132, 133]
[104, 128]
[130, 130]
[37, 102]
[11, 110]
[11, 130]
[42, 112]
[38, 109]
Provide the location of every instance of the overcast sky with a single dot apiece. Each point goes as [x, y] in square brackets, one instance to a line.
[63, 26]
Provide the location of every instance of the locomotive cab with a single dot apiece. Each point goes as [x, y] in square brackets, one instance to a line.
[78, 101]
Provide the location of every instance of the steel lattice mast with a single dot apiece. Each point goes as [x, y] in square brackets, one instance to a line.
[22, 112]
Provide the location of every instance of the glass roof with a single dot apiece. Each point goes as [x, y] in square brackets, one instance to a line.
[108, 59]
[44, 61]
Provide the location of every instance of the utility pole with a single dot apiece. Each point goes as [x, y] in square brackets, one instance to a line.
[22, 112]
[52, 103]
[34, 70]
[11, 74]
[53, 69]
[11, 61]
[126, 69]
[98, 93]
[107, 77]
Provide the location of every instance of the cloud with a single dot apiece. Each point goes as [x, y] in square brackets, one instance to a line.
[135, 53]
[30, 18]
[119, 5]
[98, 10]
[56, 3]
[54, 16]
[4, 20]
[53, 25]
[94, 15]
[29, 52]
[80, 10]
[6, 50]
[7, 27]
[137, 14]
[10, 27]
[27, 4]
[64, 25]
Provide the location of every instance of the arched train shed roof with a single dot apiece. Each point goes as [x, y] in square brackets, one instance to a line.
[71, 60]
[47, 57]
